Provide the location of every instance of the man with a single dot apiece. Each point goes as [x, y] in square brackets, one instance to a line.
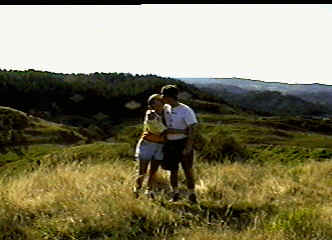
[179, 147]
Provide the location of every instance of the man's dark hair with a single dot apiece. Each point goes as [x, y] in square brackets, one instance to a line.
[170, 91]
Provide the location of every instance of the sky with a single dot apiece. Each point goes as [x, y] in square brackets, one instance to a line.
[269, 42]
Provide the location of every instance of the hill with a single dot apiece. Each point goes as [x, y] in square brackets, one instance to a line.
[101, 99]
[259, 85]
[19, 129]
[289, 99]
[266, 102]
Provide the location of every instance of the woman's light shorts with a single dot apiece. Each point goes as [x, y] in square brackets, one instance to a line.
[146, 150]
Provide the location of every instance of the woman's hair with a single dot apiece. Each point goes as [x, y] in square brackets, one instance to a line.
[153, 97]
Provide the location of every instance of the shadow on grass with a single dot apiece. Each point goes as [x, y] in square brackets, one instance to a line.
[237, 218]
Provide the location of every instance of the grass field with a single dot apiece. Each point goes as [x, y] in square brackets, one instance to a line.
[280, 188]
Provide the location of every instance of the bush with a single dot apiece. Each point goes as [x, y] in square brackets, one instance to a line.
[129, 134]
[12, 123]
[221, 146]
[12, 119]
[199, 139]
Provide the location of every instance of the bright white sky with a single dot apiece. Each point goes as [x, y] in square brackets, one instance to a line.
[282, 43]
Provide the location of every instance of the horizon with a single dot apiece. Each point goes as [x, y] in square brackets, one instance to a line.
[179, 78]
[258, 80]
[249, 41]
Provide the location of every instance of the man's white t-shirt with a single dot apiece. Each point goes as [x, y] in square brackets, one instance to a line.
[179, 117]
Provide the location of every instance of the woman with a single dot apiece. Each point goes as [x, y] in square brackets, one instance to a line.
[149, 148]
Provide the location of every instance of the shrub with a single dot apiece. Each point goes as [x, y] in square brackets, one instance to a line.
[12, 123]
[199, 139]
[221, 146]
[129, 134]
[12, 119]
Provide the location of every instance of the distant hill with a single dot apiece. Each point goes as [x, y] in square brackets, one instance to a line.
[294, 99]
[261, 85]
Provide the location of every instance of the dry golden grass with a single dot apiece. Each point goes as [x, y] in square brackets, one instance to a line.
[72, 198]
[303, 184]
[92, 199]
[221, 233]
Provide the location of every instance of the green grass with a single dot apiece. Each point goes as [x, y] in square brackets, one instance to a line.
[223, 118]
[251, 130]
[29, 159]
[54, 134]
[46, 155]
[290, 155]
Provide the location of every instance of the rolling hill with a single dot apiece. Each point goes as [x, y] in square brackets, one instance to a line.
[270, 97]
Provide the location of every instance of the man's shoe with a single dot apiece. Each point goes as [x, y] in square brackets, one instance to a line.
[150, 194]
[136, 192]
[193, 198]
[175, 198]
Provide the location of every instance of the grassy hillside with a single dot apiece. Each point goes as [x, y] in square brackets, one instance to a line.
[256, 178]
[19, 129]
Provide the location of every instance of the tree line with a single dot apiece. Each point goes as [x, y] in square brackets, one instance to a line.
[83, 94]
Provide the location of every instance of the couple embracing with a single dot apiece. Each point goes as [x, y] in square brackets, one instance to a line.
[167, 140]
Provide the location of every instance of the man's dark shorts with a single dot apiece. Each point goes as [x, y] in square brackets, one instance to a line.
[173, 155]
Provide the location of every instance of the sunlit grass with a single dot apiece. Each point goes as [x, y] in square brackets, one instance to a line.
[86, 194]
[79, 201]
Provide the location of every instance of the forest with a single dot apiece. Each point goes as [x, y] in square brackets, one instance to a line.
[84, 94]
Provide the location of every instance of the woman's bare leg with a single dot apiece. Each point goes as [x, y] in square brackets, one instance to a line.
[142, 168]
[154, 165]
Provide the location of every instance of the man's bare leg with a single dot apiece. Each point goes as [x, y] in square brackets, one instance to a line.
[187, 165]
